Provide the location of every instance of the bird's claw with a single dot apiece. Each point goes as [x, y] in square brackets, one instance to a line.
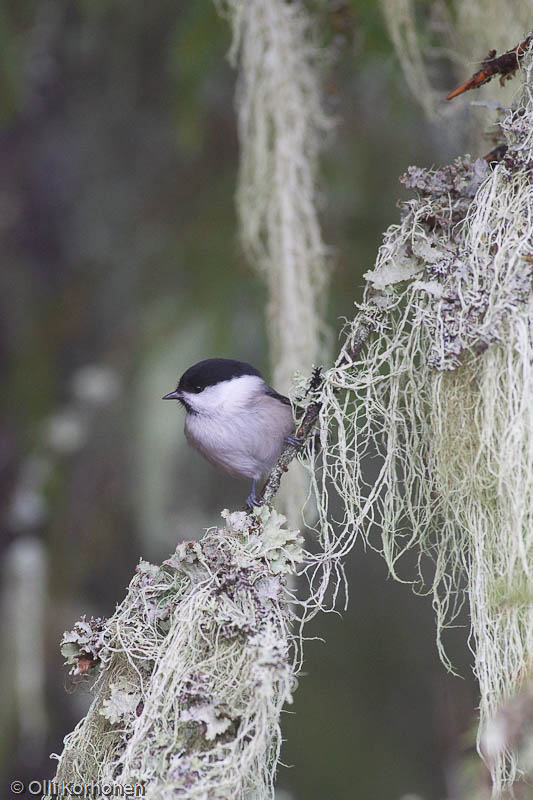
[253, 500]
[294, 440]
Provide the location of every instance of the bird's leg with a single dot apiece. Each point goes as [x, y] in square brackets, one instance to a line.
[253, 498]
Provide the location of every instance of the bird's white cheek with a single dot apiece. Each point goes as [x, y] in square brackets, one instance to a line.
[225, 398]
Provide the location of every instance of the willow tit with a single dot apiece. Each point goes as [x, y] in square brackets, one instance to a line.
[234, 418]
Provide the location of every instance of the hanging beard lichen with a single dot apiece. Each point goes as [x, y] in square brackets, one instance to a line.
[194, 668]
[280, 54]
[440, 405]
[282, 126]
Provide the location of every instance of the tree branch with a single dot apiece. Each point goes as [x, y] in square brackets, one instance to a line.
[504, 65]
[366, 326]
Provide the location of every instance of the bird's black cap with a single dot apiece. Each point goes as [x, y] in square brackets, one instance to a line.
[213, 371]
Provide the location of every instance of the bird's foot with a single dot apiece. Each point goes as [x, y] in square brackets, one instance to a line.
[294, 440]
[253, 498]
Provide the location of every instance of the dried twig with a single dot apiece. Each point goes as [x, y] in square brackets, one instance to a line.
[496, 154]
[304, 429]
[504, 65]
[366, 326]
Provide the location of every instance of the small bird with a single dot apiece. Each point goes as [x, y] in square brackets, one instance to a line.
[234, 418]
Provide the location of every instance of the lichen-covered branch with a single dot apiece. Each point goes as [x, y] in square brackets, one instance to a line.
[365, 324]
[303, 431]
[193, 669]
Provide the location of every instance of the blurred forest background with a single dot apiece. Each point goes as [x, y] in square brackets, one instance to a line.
[121, 267]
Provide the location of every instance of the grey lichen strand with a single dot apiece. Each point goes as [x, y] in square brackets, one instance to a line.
[440, 399]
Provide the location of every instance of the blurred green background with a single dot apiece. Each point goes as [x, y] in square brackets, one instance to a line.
[121, 267]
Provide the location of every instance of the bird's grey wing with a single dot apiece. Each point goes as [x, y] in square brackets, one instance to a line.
[277, 396]
[282, 399]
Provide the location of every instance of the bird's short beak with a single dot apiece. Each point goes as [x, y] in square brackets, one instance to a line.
[172, 396]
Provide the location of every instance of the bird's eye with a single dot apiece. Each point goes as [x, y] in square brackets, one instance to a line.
[199, 388]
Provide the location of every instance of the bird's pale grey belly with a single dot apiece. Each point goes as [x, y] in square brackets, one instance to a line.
[245, 445]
